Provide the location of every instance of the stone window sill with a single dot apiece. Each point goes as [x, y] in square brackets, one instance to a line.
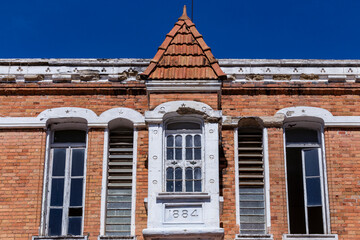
[254, 237]
[60, 238]
[116, 237]
[310, 236]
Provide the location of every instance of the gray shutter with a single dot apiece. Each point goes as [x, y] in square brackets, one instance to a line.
[251, 181]
[119, 183]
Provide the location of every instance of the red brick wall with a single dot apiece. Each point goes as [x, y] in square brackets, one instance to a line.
[142, 183]
[93, 182]
[343, 168]
[21, 177]
[210, 99]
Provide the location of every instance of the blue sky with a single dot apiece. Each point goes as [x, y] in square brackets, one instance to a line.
[276, 29]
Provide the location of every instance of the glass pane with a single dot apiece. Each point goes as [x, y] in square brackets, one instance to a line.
[59, 162]
[178, 186]
[182, 125]
[178, 141]
[57, 192]
[70, 136]
[188, 141]
[188, 174]
[55, 220]
[178, 173]
[170, 141]
[197, 173]
[76, 192]
[178, 153]
[170, 154]
[301, 135]
[169, 186]
[197, 141]
[197, 186]
[189, 154]
[170, 173]
[75, 212]
[189, 186]
[197, 153]
[315, 220]
[77, 168]
[74, 226]
[295, 191]
[312, 162]
[313, 191]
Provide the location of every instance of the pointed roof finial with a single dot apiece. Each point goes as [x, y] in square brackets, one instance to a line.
[184, 15]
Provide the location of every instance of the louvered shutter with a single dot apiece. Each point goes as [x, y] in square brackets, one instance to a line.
[119, 183]
[251, 181]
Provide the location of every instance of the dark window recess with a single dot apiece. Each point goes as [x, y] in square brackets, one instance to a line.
[304, 182]
[251, 181]
[301, 135]
[119, 183]
[183, 126]
[70, 136]
[295, 191]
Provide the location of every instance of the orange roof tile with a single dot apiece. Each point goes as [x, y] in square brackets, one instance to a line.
[184, 55]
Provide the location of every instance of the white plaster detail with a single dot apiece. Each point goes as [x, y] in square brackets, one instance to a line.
[208, 199]
[320, 113]
[211, 131]
[154, 182]
[155, 157]
[211, 156]
[310, 236]
[157, 115]
[68, 114]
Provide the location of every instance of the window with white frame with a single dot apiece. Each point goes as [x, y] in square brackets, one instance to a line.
[65, 211]
[305, 179]
[183, 157]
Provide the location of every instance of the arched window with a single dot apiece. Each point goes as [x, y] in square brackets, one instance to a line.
[183, 157]
[305, 179]
[66, 182]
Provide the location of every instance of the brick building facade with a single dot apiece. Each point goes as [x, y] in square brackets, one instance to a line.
[178, 147]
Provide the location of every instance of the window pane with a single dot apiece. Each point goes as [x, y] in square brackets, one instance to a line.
[74, 226]
[189, 141]
[197, 141]
[170, 154]
[197, 173]
[170, 141]
[170, 173]
[311, 162]
[70, 136]
[189, 186]
[313, 191]
[178, 173]
[295, 191]
[55, 220]
[59, 162]
[301, 135]
[315, 220]
[197, 154]
[189, 174]
[197, 185]
[76, 192]
[178, 154]
[75, 212]
[169, 186]
[57, 192]
[178, 141]
[77, 168]
[189, 154]
[178, 186]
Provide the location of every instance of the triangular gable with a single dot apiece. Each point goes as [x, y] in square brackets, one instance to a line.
[183, 55]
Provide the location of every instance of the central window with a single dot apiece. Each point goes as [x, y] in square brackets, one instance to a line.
[183, 157]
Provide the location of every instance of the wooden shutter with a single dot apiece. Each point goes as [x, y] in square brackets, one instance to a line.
[251, 181]
[119, 183]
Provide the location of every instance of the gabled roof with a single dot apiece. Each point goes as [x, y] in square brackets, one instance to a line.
[183, 55]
